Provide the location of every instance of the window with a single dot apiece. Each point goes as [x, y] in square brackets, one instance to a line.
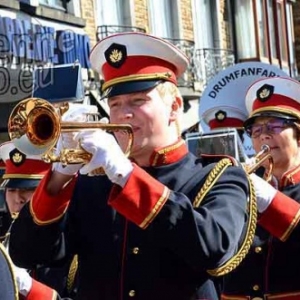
[272, 29]
[282, 41]
[203, 25]
[161, 18]
[291, 40]
[264, 31]
[68, 6]
[58, 4]
[109, 12]
[113, 16]
[245, 30]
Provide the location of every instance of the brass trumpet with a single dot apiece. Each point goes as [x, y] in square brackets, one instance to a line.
[34, 126]
[260, 158]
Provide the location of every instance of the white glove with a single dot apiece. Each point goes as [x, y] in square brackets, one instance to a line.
[24, 280]
[107, 154]
[265, 193]
[75, 113]
[250, 161]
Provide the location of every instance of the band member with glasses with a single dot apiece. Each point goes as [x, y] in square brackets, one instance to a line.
[271, 270]
[158, 225]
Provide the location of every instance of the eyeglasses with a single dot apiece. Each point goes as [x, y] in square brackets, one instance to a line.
[272, 127]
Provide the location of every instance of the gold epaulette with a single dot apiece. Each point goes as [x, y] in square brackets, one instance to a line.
[211, 179]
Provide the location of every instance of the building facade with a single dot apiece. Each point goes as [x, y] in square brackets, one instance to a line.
[214, 34]
[296, 15]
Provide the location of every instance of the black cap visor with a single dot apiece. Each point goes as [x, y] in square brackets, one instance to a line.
[130, 87]
[18, 183]
[271, 114]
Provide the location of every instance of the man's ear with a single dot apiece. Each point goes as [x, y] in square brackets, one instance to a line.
[175, 108]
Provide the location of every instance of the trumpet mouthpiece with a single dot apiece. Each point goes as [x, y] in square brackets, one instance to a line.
[265, 148]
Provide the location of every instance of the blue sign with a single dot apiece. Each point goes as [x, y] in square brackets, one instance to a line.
[34, 42]
[59, 83]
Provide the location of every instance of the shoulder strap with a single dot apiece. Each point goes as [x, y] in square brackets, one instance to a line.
[212, 177]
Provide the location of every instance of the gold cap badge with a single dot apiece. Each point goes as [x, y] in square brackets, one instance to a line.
[115, 55]
[221, 115]
[265, 92]
[17, 157]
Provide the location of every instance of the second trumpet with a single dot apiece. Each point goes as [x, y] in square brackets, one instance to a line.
[259, 160]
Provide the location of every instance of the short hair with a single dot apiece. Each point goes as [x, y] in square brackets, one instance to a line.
[297, 127]
[168, 91]
[168, 88]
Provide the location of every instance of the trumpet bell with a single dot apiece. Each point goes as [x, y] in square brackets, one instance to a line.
[34, 126]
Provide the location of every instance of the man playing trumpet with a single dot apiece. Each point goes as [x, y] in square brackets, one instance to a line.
[158, 225]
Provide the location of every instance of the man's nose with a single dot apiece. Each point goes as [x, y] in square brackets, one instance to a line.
[126, 112]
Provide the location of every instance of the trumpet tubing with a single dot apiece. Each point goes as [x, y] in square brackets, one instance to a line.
[260, 158]
[34, 126]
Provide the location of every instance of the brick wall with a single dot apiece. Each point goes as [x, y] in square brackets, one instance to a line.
[141, 14]
[296, 16]
[88, 13]
[225, 26]
[186, 19]
[187, 22]
[142, 18]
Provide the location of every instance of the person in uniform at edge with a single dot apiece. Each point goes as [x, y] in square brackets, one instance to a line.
[20, 179]
[151, 228]
[21, 176]
[5, 217]
[16, 282]
[271, 270]
[8, 286]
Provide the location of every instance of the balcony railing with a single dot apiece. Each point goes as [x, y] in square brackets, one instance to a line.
[204, 63]
[210, 61]
[106, 30]
[188, 47]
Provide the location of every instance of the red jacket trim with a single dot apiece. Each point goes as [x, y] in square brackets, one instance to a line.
[46, 209]
[168, 155]
[291, 177]
[281, 217]
[141, 199]
[40, 291]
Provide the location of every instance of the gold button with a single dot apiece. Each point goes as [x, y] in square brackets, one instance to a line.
[131, 293]
[258, 249]
[256, 287]
[135, 250]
